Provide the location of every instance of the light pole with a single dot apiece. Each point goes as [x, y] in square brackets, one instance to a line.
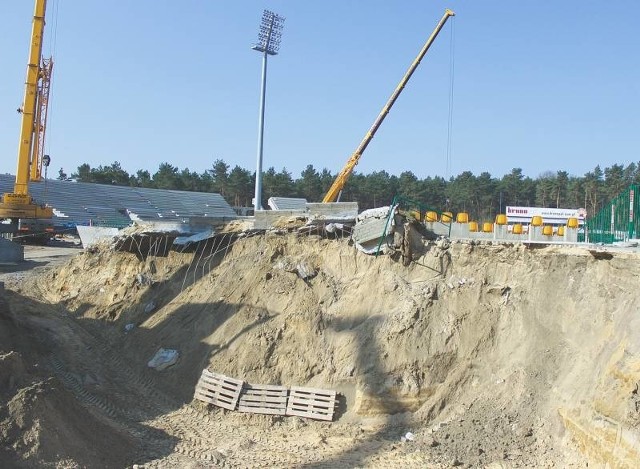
[268, 44]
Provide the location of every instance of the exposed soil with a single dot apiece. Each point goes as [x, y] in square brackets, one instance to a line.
[490, 355]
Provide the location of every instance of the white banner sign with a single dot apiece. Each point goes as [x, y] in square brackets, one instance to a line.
[549, 215]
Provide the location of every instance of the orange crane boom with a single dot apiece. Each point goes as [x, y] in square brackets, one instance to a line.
[334, 191]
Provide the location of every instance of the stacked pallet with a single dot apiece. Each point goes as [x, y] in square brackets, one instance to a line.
[232, 394]
[263, 399]
[219, 390]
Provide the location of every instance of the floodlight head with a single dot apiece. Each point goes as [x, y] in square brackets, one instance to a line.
[270, 33]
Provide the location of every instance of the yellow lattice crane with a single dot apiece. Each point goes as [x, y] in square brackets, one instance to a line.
[19, 204]
[334, 191]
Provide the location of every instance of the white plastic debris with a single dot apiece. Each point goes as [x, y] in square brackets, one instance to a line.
[306, 270]
[407, 437]
[143, 279]
[333, 227]
[129, 326]
[149, 307]
[163, 358]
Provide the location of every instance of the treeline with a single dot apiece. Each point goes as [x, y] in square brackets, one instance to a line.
[482, 196]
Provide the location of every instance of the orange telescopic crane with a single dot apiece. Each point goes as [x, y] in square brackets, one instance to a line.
[334, 191]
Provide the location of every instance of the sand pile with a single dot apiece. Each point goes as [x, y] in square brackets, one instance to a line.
[41, 423]
[487, 354]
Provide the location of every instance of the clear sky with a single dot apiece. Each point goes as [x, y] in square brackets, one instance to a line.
[539, 85]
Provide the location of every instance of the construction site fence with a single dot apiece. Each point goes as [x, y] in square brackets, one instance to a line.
[418, 210]
[422, 212]
[617, 221]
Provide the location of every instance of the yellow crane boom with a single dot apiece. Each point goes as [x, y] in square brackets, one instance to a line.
[334, 191]
[19, 204]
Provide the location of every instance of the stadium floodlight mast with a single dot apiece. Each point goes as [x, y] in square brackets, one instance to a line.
[268, 44]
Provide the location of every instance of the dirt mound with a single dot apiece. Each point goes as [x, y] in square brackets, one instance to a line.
[486, 353]
[41, 423]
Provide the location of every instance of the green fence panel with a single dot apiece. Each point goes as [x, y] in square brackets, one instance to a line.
[617, 221]
[409, 205]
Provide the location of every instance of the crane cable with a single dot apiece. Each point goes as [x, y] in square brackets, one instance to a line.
[53, 41]
[451, 83]
[53, 35]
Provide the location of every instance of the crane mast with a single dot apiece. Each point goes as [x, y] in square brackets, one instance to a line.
[19, 204]
[334, 191]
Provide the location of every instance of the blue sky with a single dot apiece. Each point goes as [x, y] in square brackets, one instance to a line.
[539, 85]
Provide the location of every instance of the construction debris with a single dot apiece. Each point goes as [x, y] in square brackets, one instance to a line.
[219, 390]
[232, 394]
[311, 403]
[444, 347]
[163, 359]
[371, 229]
[303, 267]
[263, 399]
[306, 218]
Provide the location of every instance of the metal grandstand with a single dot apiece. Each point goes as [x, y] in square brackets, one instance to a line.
[78, 203]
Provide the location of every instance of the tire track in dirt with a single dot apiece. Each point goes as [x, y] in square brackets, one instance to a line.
[81, 394]
[125, 377]
[198, 436]
[153, 443]
[144, 386]
[210, 440]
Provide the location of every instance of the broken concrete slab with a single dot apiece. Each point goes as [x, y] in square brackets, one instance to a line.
[336, 211]
[184, 240]
[267, 219]
[92, 235]
[370, 226]
[308, 213]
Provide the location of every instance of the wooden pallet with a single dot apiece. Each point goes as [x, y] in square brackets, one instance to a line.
[311, 403]
[263, 399]
[219, 390]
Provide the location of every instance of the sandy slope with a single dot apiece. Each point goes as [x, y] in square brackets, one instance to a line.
[490, 355]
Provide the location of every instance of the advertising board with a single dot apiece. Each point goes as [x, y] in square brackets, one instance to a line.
[549, 215]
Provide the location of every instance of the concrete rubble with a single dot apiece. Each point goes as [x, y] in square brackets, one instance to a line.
[370, 226]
